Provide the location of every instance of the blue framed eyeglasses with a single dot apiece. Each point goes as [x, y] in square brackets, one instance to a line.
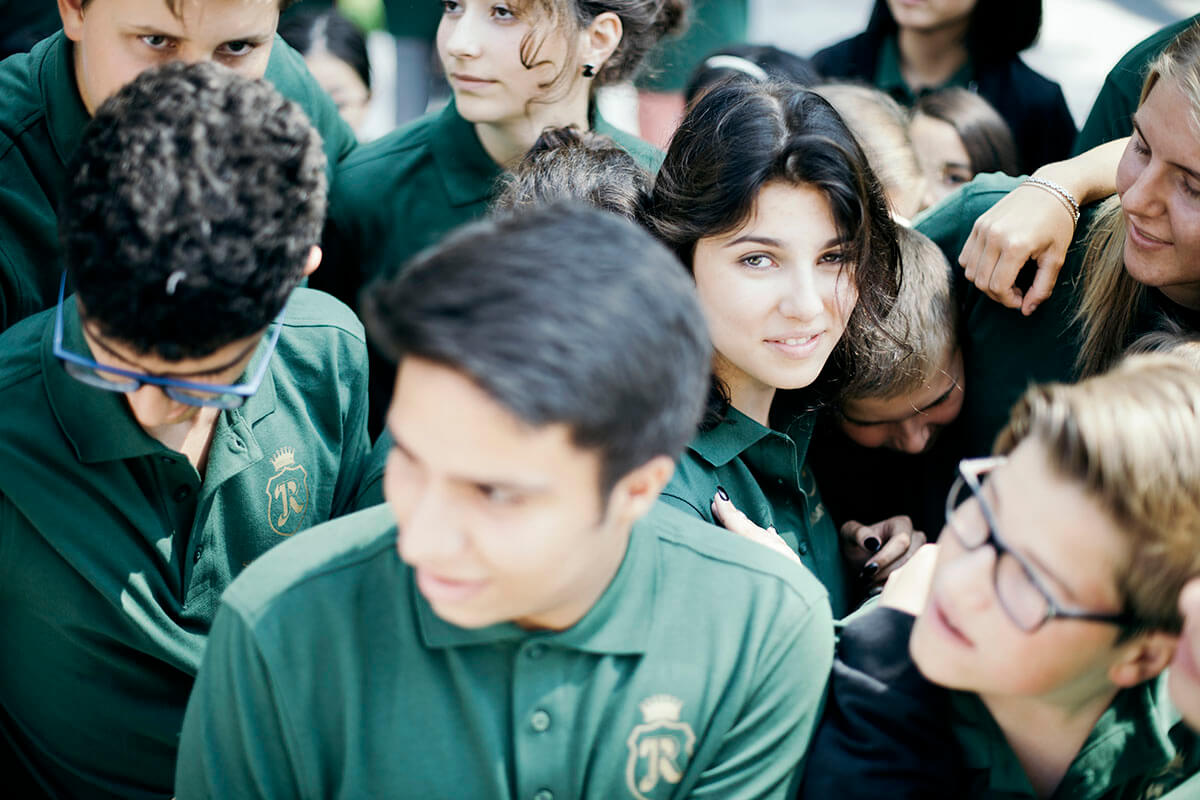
[114, 379]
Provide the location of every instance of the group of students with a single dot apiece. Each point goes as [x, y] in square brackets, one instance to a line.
[587, 556]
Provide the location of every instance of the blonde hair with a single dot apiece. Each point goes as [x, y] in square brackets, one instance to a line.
[915, 339]
[881, 126]
[1131, 438]
[1111, 296]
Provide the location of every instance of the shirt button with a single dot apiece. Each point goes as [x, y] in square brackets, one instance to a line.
[166, 460]
[536, 651]
[540, 721]
[198, 553]
[544, 794]
[802, 549]
[182, 493]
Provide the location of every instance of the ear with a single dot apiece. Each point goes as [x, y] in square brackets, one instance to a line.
[637, 492]
[71, 12]
[600, 39]
[314, 261]
[1143, 658]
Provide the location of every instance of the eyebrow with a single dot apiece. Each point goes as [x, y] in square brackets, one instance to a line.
[508, 486]
[1195, 174]
[943, 397]
[197, 374]
[770, 242]
[154, 30]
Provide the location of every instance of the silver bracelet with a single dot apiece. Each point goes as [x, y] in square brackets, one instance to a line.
[1067, 199]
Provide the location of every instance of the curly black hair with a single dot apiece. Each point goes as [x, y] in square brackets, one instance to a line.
[195, 200]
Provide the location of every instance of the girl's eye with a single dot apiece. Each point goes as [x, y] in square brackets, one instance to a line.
[502, 12]
[758, 261]
[155, 41]
[449, 6]
[1190, 189]
[497, 496]
[832, 257]
[1139, 146]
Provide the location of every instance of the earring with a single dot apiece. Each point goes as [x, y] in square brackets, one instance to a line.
[589, 70]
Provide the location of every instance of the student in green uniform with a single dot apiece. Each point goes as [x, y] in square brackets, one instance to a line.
[522, 619]
[769, 200]
[50, 93]
[1132, 262]
[1047, 616]
[167, 424]
[1118, 98]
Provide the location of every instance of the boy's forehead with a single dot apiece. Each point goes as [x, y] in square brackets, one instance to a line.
[178, 8]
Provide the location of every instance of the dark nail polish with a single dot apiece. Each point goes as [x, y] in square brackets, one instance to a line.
[869, 570]
[872, 544]
[721, 491]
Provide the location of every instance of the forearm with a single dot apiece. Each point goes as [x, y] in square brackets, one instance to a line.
[1089, 176]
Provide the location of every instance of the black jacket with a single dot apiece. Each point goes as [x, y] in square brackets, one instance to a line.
[1031, 104]
[885, 731]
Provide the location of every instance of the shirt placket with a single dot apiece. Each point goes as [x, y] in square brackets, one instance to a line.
[541, 725]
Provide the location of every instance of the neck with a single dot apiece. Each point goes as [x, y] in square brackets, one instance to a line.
[77, 69]
[1184, 294]
[191, 437]
[1047, 733]
[929, 58]
[749, 396]
[506, 142]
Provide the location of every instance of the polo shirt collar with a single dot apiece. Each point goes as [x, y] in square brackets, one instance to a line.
[468, 173]
[737, 433]
[890, 79]
[1131, 740]
[97, 422]
[618, 624]
[66, 116]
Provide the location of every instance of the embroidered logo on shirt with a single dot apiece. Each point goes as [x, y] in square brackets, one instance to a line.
[287, 493]
[659, 748]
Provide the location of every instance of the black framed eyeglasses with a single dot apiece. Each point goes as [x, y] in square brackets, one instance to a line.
[1022, 594]
[114, 379]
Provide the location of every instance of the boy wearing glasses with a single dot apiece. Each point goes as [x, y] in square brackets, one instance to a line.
[1038, 649]
[183, 412]
[50, 93]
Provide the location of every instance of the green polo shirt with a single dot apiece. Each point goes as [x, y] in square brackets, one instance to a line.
[699, 672]
[401, 193]
[1139, 748]
[41, 123]
[713, 25]
[1111, 114]
[767, 477]
[1005, 352]
[890, 79]
[114, 552]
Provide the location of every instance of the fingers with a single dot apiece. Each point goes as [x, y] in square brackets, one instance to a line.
[898, 550]
[1049, 264]
[732, 519]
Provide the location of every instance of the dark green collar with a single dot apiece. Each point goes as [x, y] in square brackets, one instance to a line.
[889, 78]
[66, 116]
[98, 423]
[1131, 743]
[737, 433]
[617, 624]
[468, 172]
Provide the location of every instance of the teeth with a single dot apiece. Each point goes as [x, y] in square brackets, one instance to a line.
[795, 342]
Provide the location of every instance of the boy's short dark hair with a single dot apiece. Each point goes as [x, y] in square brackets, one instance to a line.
[565, 314]
[570, 164]
[196, 198]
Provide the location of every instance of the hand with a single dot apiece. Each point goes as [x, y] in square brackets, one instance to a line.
[732, 519]
[1032, 224]
[907, 589]
[875, 551]
[1028, 223]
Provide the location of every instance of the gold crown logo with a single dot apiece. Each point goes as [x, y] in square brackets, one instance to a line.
[285, 457]
[661, 708]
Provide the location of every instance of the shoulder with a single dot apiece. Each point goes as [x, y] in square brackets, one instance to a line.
[21, 354]
[20, 87]
[1032, 87]
[398, 149]
[324, 561]
[747, 572]
[1142, 53]
[949, 222]
[309, 309]
[849, 58]
[645, 154]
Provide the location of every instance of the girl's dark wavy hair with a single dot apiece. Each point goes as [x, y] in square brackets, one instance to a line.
[740, 136]
[996, 31]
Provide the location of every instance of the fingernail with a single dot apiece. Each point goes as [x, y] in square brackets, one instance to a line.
[724, 495]
[870, 569]
[872, 544]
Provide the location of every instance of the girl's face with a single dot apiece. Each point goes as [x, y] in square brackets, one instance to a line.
[776, 292]
[479, 43]
[943, 158]
[930, 15]
[966, 639]
[343, 84]
[1159, 183]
